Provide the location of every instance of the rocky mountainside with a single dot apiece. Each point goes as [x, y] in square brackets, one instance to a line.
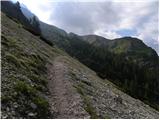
[127, 61]
[42, 81]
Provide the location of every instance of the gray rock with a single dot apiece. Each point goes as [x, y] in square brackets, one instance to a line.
[15, 105]
[4, 116]
[31, 114]
[34, 106]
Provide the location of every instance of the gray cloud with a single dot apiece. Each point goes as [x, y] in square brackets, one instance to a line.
[105, 17]
[82, 17]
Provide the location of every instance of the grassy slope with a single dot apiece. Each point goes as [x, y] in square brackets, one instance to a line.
[24, 59]
[24, 80]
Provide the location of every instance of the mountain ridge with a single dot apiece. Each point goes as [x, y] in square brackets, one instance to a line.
[127, 62]
[64, 33]
[33, 95]
[133, 54]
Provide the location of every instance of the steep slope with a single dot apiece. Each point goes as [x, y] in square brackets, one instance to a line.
[127, 61]
[24, 84]
[14, 11]
[64, 97]
[40, 81]
[26, 12]
[52, 32]
[101, 99]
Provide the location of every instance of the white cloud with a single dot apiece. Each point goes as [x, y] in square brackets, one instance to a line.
[131, 14]
[149, 29]
[103, 17]
[148, 32]
[42, 9]
[107, 34]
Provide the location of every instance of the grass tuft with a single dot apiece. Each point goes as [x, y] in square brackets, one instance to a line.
[88, 105]
[42, 107]
[13, 59]
[24, 88]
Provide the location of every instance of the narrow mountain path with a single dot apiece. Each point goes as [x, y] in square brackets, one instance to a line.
[102, 97]
[64, 100]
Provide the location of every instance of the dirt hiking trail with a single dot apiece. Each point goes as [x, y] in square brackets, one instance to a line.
[65, 100]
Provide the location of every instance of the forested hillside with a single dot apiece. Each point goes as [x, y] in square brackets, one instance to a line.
[14, 11]
[41, 81]
[126, 62]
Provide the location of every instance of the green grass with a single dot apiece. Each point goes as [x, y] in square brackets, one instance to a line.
[24, 76]
[87, 102]
[38, 79]
[42, 107]
[79, 90]
[89, 108]
[24, 88]
[9, 42]
[121, 47]
[25, 67]
[107, 117]
[13, 59]
[6, 99]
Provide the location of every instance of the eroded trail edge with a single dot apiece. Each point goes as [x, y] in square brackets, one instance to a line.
[76, 92]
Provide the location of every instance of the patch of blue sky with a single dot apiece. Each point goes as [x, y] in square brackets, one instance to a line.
[127, 32]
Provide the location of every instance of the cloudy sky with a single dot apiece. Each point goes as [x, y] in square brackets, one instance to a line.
[108, 18]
